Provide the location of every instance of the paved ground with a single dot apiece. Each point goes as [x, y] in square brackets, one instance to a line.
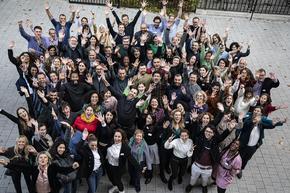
[268, 171]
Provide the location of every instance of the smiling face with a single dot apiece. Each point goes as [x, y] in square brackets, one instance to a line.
[154, 103]
[42, 130]
[149, 120]
[23, 114]
[93, 145]
[205, 119]
[21, 143]
[177, 116]
[89, 112]
[208, 133]
[109, 117]
[94, 98]
[82, 67]
[132, 93]
[141, 88]
[184, 136]
[117, 137]
[138, 137]
[60, 149]
[263, 99]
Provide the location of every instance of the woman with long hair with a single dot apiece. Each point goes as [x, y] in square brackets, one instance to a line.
[61, 156]
[20, 155]
[24, 120]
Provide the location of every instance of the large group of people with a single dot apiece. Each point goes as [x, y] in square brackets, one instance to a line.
[110, 100]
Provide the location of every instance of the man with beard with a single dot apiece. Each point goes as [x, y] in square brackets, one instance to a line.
[74, 91]
[177, 91]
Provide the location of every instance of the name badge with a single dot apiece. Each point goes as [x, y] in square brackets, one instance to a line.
[150, 134]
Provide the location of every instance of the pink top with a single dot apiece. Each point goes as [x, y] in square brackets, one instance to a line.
[42, 183]
[227, 170]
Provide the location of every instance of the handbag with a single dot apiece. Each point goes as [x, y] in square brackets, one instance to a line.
[65, 178]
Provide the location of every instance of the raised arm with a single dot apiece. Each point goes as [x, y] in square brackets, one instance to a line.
[11, 57]
[47, 7]
[22, 32]
[180, 5]
[73, 13]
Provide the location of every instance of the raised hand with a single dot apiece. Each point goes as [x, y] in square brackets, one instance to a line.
[194, 114]
[144, 4]
[109, 4]
[164, 2]
[89, 79]
[11, 44]
[100, 117]
[20, 23]
[220, 107]
[85, 134]
[75, 165]
[170, 139]
[46, 5]
[41, 94]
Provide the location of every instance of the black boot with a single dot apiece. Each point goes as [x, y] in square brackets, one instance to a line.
[204, 189]
[163, 179]
[148, 180]
[240, 175]
[169, 185]
[188, 188]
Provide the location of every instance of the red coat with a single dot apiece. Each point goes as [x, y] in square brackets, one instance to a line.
[91, 125]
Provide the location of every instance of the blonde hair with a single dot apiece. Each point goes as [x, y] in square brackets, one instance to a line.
[44, 153]
[16, 148]
[181, 124]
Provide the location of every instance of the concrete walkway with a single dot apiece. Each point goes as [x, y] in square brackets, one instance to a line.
[267, 172]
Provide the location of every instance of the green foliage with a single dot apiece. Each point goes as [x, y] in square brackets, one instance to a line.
[155, 5]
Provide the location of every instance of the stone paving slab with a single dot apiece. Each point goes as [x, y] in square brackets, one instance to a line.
[268, 171]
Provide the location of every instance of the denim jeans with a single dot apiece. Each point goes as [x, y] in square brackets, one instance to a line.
[94, 179]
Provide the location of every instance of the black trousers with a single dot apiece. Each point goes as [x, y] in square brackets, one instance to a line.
[16, 179]
[115, 176]
[135, 176]
[221, 190]
[246, 154]
[164, 156]
[178, 166]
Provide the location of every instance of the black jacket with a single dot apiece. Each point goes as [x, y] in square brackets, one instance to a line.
[125, 154]
[87, 159]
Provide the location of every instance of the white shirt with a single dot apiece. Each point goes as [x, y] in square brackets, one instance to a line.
[97, 160]
[181, 149]
[113, 154]
[254, 137]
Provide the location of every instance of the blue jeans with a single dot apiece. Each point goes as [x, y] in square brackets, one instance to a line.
[93, 180]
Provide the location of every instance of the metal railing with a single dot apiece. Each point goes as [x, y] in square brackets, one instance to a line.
[255, 6]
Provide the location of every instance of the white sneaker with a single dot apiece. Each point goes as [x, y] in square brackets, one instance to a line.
[113, 189]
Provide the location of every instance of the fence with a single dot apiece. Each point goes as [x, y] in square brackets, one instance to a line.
[255, 6]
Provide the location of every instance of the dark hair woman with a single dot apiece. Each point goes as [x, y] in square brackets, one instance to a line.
[117, 155]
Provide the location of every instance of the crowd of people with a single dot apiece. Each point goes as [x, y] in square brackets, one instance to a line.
[108, 100]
